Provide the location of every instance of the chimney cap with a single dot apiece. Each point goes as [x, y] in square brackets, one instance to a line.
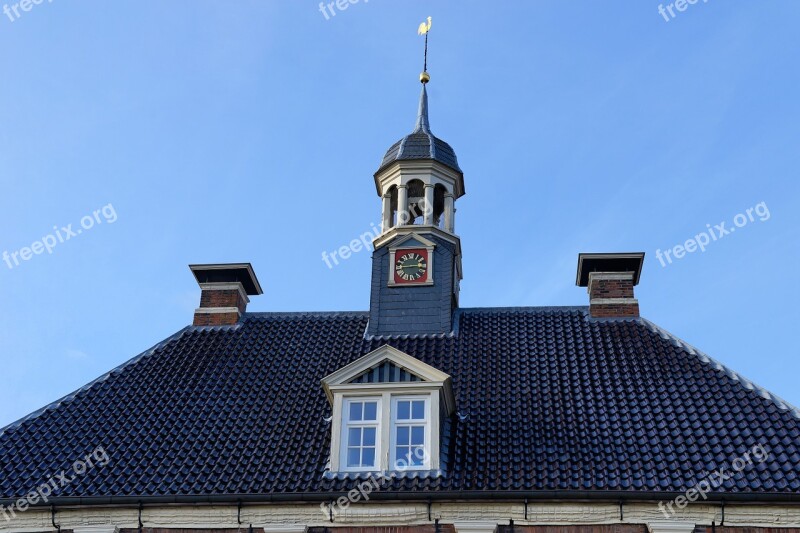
[608, 262]
[228, 273]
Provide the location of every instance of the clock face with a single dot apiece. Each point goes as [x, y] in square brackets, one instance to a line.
[411, 266]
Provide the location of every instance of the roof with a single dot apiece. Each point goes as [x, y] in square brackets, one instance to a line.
[547, 399]
[421, 143]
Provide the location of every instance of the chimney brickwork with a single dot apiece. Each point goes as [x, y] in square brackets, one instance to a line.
[225, 291]
[221, 304]
[611, 295]
[609, 279]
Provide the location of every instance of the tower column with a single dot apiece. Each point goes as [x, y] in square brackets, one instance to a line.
[428, 219]
[387, 212]
[402, 205]
[449, 213]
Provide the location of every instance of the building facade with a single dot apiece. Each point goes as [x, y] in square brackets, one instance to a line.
[417, 415]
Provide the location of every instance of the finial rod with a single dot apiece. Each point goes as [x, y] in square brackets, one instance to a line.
[425, 65]
[424, 28]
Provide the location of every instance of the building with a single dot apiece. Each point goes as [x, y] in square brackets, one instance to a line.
[417, 415]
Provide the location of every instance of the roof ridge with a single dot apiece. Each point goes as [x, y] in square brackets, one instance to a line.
[254, 314]
[746, 383]
[402, 147]
[304, 313]
[584, 308]
[89, 385]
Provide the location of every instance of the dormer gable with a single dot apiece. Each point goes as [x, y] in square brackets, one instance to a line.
[388, 409]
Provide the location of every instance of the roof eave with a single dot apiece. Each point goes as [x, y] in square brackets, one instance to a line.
[511, 496]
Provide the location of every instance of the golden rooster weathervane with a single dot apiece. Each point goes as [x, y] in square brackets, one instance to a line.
[424, 28]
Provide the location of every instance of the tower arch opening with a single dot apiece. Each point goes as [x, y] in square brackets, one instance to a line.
[391, 206]
[438, 205]
[416, 202]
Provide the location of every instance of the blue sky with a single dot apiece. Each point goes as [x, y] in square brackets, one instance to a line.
[249, 131]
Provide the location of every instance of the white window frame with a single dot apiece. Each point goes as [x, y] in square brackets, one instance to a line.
[346, 424]
[395, 423]
[385, 434]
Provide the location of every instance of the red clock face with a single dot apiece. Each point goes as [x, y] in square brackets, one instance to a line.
[411, 266]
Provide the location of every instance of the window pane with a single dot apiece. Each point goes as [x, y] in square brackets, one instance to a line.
[369, 437]
[403, 410]
[368, 457]
[402, 436]
[354, 437]
[370, 410]
[355, 410]
[401, 457]
[417, 456]
[418, 410]
[353, 458]
[418, 435]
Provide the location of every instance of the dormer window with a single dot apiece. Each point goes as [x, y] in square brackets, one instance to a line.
[406, 438]
[410, 432]
[387, 409]
[360, 433]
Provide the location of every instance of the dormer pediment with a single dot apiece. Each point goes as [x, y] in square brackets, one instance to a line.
[388, 367]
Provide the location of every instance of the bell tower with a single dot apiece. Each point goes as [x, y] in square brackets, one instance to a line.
[416, 264]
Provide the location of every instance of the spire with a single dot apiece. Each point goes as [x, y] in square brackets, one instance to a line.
[421, 143]
[422, 117]
[423, 126]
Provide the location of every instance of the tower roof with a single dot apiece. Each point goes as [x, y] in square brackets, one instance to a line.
[421, 143]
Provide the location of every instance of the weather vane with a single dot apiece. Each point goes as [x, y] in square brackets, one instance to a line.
[424, 28]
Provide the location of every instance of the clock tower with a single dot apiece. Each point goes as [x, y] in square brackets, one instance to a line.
[416, 264]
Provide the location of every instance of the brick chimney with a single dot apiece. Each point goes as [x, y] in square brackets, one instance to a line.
[609, 279]
[225, 291]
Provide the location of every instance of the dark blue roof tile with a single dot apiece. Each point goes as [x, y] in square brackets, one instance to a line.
[548, 399]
